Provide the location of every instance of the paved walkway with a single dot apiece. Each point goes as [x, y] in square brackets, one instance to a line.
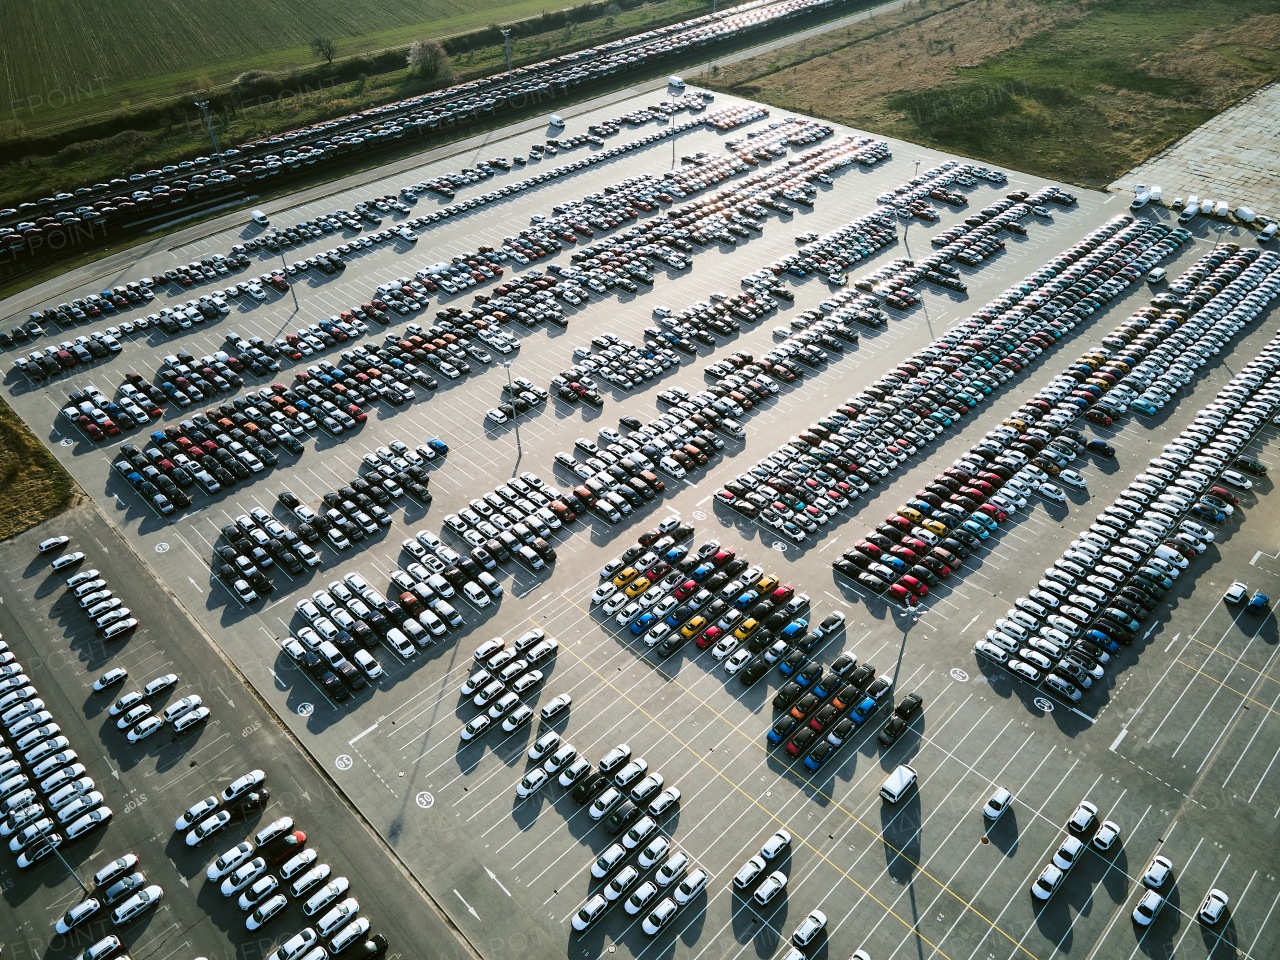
[1234, 157]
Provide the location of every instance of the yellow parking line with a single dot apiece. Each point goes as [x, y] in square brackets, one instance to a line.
[755, 743]
[1224, 686]
[1237, 662]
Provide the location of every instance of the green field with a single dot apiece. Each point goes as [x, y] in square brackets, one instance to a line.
[69, 60]
[1076, 90]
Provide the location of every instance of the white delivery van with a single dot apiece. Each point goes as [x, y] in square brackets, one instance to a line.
[260, 218]
[898, 783]
[556, 120]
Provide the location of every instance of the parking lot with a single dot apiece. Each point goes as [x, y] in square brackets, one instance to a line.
[1178, 742]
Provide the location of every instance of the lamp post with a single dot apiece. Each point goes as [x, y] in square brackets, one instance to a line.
[203, 107]
[284, 272]
[506, 44]
[44, 841]
[515, 414]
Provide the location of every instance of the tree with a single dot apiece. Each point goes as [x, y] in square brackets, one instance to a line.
[429, 60]
[325, 48]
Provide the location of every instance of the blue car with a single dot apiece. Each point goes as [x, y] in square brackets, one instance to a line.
[675, 554]
[780, 731]
[976, 529]
[818, 756]
[894, 563]
[1101, 448]
[643, 623]
[794, 630]
[745, 599]
[1102, 640]
[864, 710]
[1206, 512]
[438, 445]
[1258, 603]
[788, 666]
[701, 573]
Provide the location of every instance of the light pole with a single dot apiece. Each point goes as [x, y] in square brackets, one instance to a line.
[515, 414]
[44, 841]
[285, 273]
[506, 45]
[203, 107]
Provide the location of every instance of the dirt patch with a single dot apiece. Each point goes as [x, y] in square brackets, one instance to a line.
[33, 484]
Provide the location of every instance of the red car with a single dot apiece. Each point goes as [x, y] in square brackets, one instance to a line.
[994, 512]
[915, 586]
[903, 595]
[1098, 417]
[709, 637]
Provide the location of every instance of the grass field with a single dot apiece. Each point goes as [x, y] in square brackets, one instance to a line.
[41, 173]
[73, 60]
[1077, 91]
[35, 485]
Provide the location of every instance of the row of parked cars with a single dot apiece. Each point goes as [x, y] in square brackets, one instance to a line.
[120, 887]
[1250, 277]
[1111, 578]
[886, 423]
[333, 139]
[630, 800]
[46, 798]
[1085, 835]
[504, 674]
[1138, 546]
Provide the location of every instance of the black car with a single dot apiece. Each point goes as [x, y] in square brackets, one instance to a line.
[625, 814]
[586, 788]
[333, 686]
[753, 671]
[891, 731]
[909, 706]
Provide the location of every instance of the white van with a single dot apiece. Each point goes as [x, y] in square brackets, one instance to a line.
[897, 784]
[556, 120]
[260, 218]
[675, 82]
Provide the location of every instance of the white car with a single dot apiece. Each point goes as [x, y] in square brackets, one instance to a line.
[228, 861]
[242, 876]
[1148, 908]
[137, 904]
[77, 915]
[1047, 883]
[1214, 907]
[1158, 872]
[1238, 592]
[206, 828]
[531, 782]
[195, 813]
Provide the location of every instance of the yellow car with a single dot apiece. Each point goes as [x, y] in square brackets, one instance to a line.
[912, 514]
[746, 628]
[1019, 425]
[768, 583]
[637, 587]
[936, 526]
[693, 627]
[625, 576]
